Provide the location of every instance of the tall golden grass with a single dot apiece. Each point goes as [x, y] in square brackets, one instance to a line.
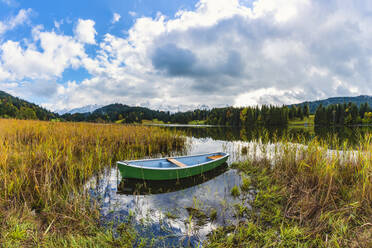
[43, 165]
[328, 191]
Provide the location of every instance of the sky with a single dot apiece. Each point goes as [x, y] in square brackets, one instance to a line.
[68, 54]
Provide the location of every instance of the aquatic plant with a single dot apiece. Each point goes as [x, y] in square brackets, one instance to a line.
[235, 191]
[306, 196]
[244, 150]
[213, 214]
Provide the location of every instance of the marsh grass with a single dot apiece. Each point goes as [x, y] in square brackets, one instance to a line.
[306, 196]
[235, 191]
[43, 167]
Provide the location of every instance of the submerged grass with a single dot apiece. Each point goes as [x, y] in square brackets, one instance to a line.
[305, 196]
[43, 167]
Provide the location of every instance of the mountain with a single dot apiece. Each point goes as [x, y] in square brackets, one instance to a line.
[135, 114]
[84, 109]
[182, 108]
[313, 105]
[174, 108]
[118, 112]
[159, 107]
[14, 107]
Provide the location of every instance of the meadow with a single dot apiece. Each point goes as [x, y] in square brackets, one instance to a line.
[43, 167]
[314, 194]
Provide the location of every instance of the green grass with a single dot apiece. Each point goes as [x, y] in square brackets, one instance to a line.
[120, 121]
[23, 231]
[235, 191]
[197, 122]
[306, 121]
[153, 121]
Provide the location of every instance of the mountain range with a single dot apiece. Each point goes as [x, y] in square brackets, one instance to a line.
[15, 107]
[84, 109]
[313, 105]
[162, 107]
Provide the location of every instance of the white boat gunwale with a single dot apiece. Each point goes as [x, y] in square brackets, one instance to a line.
[172, 168]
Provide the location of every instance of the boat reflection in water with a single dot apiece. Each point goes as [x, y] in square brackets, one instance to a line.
[129, 186]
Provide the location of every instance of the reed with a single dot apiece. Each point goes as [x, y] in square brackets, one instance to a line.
[43, 166]
[306, 196]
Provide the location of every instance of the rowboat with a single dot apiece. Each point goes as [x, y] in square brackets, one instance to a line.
[171, 168]
[131, 186]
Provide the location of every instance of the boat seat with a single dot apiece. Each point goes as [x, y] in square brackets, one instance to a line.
[176, 162]
[215, 157]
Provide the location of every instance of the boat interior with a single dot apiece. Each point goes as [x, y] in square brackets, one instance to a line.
[178, 161]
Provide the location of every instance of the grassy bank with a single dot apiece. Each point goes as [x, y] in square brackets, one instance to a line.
[43, 166]
[302, 196]
[154, 121]
[197, 122]
[307, 121]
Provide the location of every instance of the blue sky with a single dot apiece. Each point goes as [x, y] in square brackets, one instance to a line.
[68, 11]
[162, 54]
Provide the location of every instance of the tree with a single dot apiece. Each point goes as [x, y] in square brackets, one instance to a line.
[26, 113]
[306, 110]
[320, 116]
[244, 116]
[300, 113]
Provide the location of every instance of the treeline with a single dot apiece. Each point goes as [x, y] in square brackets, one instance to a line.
[229, 116]
[358, 100]
[13, 107]
[249, 116]
[116, 112]
[127, 114]
[298, 111]
[343, 114]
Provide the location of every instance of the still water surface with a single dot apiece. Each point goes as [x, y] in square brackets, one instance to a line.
[178, 214]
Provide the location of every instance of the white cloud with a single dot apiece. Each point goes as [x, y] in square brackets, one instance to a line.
[282, 10]
[115, 18]
[85, 31]
[222, 52]
[3, 74]
[279, 50]
[269, 96]
[132, 13]
[55, 54]
[227, 53]
[57, 24]
[21, 18]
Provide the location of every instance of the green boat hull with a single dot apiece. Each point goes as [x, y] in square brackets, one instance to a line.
[167, 174]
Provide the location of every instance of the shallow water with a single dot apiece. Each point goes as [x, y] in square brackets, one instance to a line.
[177, 213]
[171, 215]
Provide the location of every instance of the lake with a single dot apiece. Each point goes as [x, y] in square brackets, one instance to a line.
[183, 213]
